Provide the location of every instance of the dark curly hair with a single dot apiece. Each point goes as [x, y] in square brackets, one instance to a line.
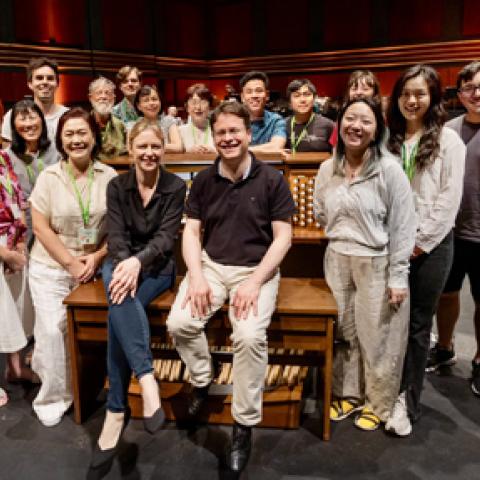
[433, 120]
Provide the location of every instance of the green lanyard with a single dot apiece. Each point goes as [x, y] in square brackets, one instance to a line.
[205, 136]
[409, 162]
[85, 209]
[8, 182]
[302, 133]
[31, 172]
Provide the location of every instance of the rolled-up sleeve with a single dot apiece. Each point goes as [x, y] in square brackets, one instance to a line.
[401, 226]
[440, 218]
[162, 242]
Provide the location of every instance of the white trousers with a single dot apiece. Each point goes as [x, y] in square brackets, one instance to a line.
[50, 360]
[249, 337]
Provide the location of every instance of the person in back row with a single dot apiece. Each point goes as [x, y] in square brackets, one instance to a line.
[307, 131]
[237, 232]
[268, 128]
[43, 80]
[466, 257]
[129, 80]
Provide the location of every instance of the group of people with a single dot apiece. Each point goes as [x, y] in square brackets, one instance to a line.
[395, 203]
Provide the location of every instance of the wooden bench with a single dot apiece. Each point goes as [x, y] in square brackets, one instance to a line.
[303, 320]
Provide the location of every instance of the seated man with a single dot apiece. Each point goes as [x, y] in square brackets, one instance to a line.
[237, 232]
[268, 128]
[101, 94]
[43, 80]
[129, 80]
[307, 131]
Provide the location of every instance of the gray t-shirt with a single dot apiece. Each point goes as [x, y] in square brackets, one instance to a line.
[316, 137]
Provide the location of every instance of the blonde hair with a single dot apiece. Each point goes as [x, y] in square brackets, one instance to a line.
[142, 125]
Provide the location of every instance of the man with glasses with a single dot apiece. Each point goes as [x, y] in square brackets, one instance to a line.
[129, 80]
[467, 231]
[237, 232]
[101, 94]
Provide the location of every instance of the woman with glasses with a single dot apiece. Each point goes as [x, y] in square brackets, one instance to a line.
[433, 157]
[197, 134]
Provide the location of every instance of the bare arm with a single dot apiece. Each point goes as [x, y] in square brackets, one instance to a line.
[246, 296]
[174, 144]
[276, 144]
[199, 293]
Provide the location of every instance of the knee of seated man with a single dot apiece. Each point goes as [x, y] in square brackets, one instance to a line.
[250, 338]
[180, 323]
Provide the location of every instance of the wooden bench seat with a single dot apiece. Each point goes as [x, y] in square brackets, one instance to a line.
[303, 320]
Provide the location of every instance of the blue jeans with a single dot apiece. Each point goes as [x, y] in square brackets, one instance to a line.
[129, 333]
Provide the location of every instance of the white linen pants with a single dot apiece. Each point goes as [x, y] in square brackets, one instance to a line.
[249, 337]
[50, 360]
[373, 335]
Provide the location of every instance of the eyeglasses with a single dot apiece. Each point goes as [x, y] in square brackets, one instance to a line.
[470, 89]
[195, 102]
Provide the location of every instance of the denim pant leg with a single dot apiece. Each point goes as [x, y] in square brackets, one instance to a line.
[428, 275]
[129, 336]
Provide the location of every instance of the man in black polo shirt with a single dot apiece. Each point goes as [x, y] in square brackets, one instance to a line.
[244, 208]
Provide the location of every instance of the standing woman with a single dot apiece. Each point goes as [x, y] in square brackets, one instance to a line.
[31, 150]
[197, 134]
[363, 199]
[148, 105]
[145, 208]
[433, 157]
[15, 304]
[68, 207]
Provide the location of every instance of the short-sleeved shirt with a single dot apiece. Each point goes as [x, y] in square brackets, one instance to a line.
[51, 120]
[114, 139]
[269, 126]
[316, 137]
[54, 197]
[147, 232]
[237, 216]
[125, 112]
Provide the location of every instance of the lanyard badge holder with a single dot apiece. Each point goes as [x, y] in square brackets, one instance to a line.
[296, 142]
[409, 161]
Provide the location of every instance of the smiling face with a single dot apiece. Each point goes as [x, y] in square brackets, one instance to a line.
[255, 97]
[28, 125]
[231, 137]
[360, 89]
[131, 85]
[102, 99]
[77, 141]
[197, 108]
[358, 127]
[146, 150]
[150, 105]
[469, 95]
[43, 84]
[414, 100]
[302, 100]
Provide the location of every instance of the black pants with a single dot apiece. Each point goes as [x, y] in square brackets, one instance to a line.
[428, 275]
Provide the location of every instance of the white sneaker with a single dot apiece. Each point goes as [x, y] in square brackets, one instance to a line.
[399, 423]
[50, 422]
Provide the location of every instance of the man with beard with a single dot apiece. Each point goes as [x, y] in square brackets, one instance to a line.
[43, 81]
[129, 80]
[237, 232]
[101, 94]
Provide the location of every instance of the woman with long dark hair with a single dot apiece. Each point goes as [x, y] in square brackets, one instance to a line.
[363, 199]
[433, 157]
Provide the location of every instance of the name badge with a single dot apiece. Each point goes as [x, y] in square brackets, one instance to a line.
[87, 236]
[16, 212]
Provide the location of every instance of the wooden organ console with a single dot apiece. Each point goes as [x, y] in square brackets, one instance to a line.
[300, 334]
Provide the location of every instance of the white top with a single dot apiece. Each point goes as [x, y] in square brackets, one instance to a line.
[193, 136]
[369, 216]
[51, 120]
[438, 191]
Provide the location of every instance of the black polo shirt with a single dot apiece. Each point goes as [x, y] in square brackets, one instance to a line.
[237, 217]
[146, 232]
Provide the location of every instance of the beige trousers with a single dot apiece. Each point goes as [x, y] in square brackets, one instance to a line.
[249, 337]
[50, 360]
[373, 335]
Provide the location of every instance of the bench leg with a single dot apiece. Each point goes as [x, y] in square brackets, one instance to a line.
[327, 381]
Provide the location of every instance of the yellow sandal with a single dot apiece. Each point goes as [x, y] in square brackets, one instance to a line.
[367, 420]
[342, 408]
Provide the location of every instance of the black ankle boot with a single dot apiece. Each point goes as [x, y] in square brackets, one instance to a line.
[102, 459]
[239, 453]
[196, 400]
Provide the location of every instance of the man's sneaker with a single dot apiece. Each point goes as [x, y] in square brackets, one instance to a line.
[475, 382]
[399, 423]
[440, 357]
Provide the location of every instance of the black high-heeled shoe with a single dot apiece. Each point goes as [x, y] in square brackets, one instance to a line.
[155, 422]
[102, 460]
